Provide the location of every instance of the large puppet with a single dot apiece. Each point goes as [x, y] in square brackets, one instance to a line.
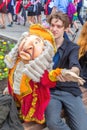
[31, 75]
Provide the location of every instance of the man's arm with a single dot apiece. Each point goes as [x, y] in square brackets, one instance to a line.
[74, 65]
[75, 70]
[74, 60]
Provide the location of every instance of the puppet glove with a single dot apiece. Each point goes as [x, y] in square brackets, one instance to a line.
[71, 76]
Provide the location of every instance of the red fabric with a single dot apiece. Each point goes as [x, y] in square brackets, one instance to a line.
[43, 96]
[45, 81]
[41, 93]
[9, 88]
[46, 7]
[8, 1]
[1, 5]
[18, 5]
[27, 5]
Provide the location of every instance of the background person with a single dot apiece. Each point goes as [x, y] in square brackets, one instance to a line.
[79, 6]
[30, 15]
[2, 13]
[82, 42]
[65, 95]
[10, 12]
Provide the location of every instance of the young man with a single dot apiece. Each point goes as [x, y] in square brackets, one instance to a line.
[65, 95]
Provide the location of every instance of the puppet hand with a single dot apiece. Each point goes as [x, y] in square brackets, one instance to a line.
[71, 76]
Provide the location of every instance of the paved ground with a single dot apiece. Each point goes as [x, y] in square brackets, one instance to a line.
[14, 32]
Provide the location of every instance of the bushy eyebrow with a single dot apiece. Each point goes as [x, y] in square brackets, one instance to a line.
[38, 39]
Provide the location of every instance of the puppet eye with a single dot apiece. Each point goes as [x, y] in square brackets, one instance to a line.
[36, 42]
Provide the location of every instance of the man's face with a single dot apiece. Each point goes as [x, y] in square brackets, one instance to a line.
[57, 28]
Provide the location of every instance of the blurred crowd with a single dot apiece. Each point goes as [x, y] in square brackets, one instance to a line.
[31, 12]
[20, 12]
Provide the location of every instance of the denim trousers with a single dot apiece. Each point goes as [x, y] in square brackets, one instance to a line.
[74, 108]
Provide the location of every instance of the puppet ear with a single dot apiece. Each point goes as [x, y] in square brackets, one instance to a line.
[21, 45]
[22, 40]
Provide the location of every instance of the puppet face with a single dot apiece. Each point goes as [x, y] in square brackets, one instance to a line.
[30, 47]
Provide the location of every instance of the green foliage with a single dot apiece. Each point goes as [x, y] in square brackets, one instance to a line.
[5, 47]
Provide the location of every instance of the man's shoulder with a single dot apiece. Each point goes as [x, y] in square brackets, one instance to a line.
[71, 44]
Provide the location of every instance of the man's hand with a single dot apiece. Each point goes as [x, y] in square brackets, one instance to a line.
[62, 78]
[72, 76]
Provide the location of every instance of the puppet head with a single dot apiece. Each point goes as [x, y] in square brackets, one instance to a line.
[33, 45]
[30, 45]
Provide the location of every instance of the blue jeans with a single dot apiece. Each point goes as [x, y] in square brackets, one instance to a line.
[75, 110]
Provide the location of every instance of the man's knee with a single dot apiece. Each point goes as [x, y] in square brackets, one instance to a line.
[82, 127]
[51, 124]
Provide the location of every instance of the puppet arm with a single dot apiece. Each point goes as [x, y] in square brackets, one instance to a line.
[45, 80]
[68, 75]
[54, 73]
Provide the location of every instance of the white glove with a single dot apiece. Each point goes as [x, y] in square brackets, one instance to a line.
[71, 76]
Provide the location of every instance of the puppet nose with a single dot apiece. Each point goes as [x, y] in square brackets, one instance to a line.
[30, 47]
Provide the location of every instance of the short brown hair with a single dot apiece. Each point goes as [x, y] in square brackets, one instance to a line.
[61, 16]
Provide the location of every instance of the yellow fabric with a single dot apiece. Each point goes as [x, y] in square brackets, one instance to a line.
[37, 29]
[54, 73]
[25, 88]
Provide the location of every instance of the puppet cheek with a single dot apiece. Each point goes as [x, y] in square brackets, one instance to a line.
[38, 49]
[37, 53]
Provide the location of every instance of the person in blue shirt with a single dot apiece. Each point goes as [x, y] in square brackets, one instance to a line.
[65, 94]
[61, 5]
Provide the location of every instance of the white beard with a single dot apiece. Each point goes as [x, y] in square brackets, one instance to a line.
[17, 77]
